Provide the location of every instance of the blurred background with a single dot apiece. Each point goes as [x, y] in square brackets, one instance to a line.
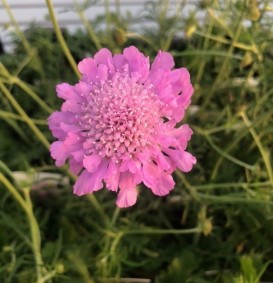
[216, 225]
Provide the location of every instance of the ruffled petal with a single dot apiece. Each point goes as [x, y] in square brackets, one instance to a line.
[67, 92]
[131, 165]
[151, 174]
[164, 185]
[58, 153]
[82, 185]
[179, 79]
[54, 123]
[184, 99]
[163, 60]
[91, 162]
[102, 72]
[71, 106]
[126, 198]
[183, 159]
[164, 162]
[138, 64]
[69, 128]
[158, 79]
[88, 68]
[83, 88]
[119, 61]
[112, 177]
[127, 195]
[75, 167]
[90, 182]
[104, 56]
[175, 137]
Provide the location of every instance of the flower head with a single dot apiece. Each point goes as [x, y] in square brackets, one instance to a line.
[117, 125]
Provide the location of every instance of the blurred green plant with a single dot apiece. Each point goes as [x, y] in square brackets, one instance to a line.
[216, 226]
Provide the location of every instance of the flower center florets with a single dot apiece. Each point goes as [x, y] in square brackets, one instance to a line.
[119, 117]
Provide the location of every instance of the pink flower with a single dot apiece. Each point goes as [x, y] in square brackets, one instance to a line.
[117, 125]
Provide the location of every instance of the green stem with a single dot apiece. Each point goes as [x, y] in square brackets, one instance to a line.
[262, 150]
[164, 231]
[30, 51]
[48, 276]
[107, 16]
[241, 134]
[139, 36]
[228, 199]
[61, 40]
[223, 69]
[89, 29]
[14, 192]
[23, 114]
[205, 46]
[115, 216]
[98, 207]
[234, 43]
[228, 156]
[5, 114]
[26, 205]
[232, 185]
[35, 236]
[32, 94]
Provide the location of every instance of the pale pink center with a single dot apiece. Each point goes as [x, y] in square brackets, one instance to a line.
[119, 117]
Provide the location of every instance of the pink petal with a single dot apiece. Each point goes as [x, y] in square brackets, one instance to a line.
[131, 165]
[72, 142]
[74, 166]
[90, 182]
[183, 159]
[78, 155]
[59, 153]
[165, 94]
[112, 177]
[184, 99]
[158, 79]
[83, 88]
[183, 135]
[127, 195]
[163, 60]
[138, 64]
[179, 79]
[67, 92]
[82, 185]
[164, 185]
[143, 155]
[88, 67]
[119, 61]
[91, 162]
[126, 198]
[175, 137]
[67, 128]
[71, 106]
[102, 72]
[164, 162]
[55, 120]
[72, 146]
[127, 180]
[178, 114]
[104, 56]
[151, 174]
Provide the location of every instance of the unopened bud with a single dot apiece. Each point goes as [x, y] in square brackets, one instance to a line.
[247, 60]
[119, 36]
[253, 11]
[59, 268]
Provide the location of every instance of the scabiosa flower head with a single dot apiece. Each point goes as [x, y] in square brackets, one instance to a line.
[117, 125]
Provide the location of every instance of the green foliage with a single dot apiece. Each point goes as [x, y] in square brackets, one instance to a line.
[216, 226]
